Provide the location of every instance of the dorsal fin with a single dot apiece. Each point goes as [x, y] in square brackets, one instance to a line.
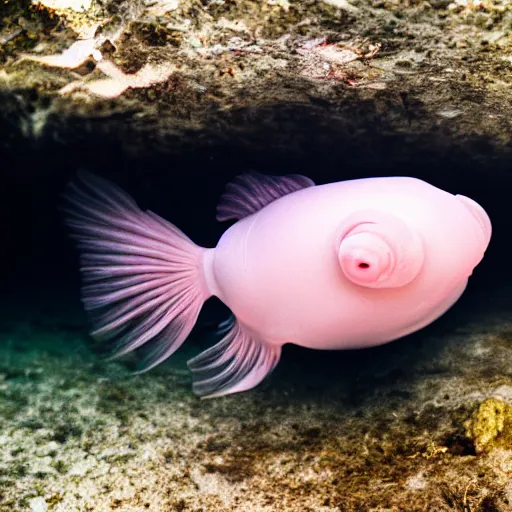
[252, 191]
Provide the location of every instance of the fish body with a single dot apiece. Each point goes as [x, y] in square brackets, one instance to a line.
[344, 265]
[278, 270]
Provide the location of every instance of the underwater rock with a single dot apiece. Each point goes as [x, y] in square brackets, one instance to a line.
[357, 79]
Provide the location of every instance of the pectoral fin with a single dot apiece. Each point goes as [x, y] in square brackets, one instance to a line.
[237, 363]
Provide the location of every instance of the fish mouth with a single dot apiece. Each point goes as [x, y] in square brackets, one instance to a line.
[480, 216]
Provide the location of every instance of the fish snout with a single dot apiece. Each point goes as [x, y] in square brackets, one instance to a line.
[484, 226]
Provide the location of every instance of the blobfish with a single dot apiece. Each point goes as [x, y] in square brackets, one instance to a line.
[342, 265]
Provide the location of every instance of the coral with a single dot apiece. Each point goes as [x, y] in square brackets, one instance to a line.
[491, 425]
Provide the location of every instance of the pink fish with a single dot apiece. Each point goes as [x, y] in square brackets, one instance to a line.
[344, 265]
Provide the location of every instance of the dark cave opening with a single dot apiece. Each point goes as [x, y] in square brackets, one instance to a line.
[183, 186]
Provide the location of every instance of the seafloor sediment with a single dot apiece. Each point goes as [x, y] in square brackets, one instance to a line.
[421, 424]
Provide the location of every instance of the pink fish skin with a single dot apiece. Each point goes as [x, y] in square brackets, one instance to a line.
[345, 265]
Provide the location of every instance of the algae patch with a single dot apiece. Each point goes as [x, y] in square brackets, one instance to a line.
[490, 425]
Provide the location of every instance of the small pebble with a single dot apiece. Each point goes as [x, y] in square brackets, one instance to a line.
[38, 505]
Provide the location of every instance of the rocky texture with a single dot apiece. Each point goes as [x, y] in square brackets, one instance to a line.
[421, 424]
[176, 89]
[399, 77]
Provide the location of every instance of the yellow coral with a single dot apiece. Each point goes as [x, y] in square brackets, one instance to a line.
[490, 425]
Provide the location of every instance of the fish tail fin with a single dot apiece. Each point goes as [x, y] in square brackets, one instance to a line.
[143, 278]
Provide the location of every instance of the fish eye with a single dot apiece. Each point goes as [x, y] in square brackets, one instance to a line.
[377, 249]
